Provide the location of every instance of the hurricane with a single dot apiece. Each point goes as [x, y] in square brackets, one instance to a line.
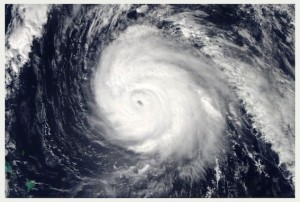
[150, 100]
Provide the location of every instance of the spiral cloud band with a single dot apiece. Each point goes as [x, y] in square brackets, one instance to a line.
[158, 97]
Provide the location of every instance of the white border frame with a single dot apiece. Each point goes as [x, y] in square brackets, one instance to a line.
[2, 89]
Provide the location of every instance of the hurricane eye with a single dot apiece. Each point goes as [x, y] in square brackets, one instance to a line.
[140, 102]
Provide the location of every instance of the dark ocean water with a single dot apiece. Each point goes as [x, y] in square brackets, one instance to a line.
[50, 139]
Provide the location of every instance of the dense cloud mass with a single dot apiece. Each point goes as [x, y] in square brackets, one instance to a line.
[150, 100]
